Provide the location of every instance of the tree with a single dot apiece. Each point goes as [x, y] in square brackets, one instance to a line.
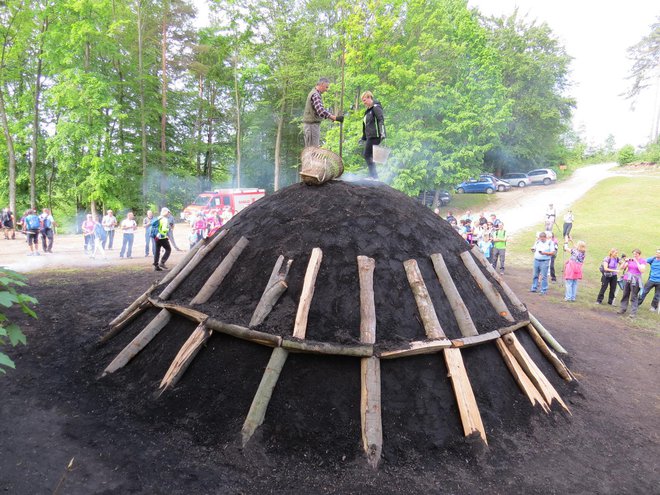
[535, 75]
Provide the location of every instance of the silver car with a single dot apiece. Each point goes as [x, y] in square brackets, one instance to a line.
[517, 179]
[543, 176]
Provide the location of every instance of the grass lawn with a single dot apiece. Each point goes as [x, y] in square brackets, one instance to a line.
[620, 212]
[473, 202]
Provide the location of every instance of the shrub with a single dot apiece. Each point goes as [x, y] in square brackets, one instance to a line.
[10, 297]
[626, 155]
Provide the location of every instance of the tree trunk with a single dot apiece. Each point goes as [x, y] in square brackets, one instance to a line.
[237, 101]
[143, 123]
[278, 144]
[163, 118]
[35, 123]
[11, 154]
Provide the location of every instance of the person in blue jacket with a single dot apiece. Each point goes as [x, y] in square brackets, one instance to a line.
[653, 282]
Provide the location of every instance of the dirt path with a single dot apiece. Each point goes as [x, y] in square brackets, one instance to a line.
[521, 208]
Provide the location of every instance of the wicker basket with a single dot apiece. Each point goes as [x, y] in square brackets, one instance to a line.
[320, 165]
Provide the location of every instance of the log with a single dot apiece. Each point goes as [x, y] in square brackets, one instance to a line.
[300, 325]
[257, 412]
[366, 267]
[191, 265]
[216, 278]
[424, 304]
[533, 372]
[133, 306]
[475, 339]
[244, 333]
[366, 350]
[521, 378]
[184, 357]
[370, 410]
[189, 313]
[458, 307]
[547, 336]
[492, 295]
[467, 404]
[275, 287]
[561, 368]
[500, 280]
[139, 342]
[184, 261]
[416, 348]
[118, 327]
[513, 328]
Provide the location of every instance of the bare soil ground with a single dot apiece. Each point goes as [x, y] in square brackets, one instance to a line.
[116, 438]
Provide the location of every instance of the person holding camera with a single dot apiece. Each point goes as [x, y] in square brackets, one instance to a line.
[632, 282]
[573, 269]
[543, 250]
[315, 112]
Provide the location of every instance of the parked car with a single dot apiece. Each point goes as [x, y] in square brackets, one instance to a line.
[543, 176]
[426, 198]
[517, 179]
[499, 183]
[480, 185]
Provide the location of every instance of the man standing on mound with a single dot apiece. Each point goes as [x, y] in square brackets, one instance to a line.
[315, 112]
[161, 240]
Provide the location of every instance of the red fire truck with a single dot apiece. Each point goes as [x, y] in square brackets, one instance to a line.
[211, 202]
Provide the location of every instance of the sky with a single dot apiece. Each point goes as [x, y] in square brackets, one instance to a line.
[597, 35]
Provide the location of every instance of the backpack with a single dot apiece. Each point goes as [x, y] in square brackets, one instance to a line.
[32, 222]
[153, 228]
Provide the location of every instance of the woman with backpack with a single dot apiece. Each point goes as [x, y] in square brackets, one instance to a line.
[609, 270]
[632, 278]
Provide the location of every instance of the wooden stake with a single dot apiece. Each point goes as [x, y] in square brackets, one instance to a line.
[186, 312]
[184, 261]
[535, 375]
[424, 304]
[520, 377]
[184, 357]
[257, 413]
[505, 287]
[492, 295]
[370, 410]
[366, 268]
[467, 404]
[547, 336]
[274, 289]
[139, 342]
[216, 278]
[118, 327]
[458, 307]
[191, 265]
[550, 356]
[300, 326]
[370, 395]
[133, 306]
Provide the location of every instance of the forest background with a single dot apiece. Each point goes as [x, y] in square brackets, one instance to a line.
[129, 105]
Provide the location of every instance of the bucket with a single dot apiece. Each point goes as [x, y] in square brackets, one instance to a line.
[320, 165]
[381, 153]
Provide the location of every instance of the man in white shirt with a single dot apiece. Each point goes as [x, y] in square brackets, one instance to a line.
[128, 227]
[543, 250]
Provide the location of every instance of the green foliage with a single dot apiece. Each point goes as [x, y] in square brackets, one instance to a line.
[10, 298]
[626, 155]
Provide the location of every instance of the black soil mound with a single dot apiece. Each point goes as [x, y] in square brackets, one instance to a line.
[314, 411]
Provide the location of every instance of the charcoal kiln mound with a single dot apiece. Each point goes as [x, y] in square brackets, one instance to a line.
[345, 316]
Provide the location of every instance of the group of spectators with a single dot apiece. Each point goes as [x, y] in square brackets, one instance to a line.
[33, 226]
[206, 225]
[485, 232]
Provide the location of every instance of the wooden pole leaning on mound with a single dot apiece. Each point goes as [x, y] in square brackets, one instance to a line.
[505, 287]
[140, 341]
[467, 404]
[191, 265]
[257, 412]
[561, 368]
[274, 289]
[458, 307]
[126, 316]
[491, 294]
[547, 336]
[370, 391]
[220, 273]
[185, 356]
